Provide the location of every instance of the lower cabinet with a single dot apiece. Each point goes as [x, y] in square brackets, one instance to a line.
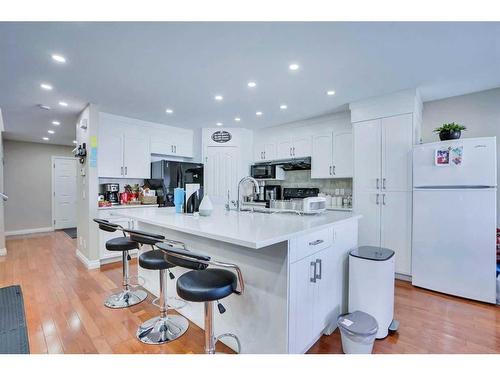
[104, 254]
[318, 285]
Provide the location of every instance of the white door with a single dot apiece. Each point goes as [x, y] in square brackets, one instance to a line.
[221, 172]
[454, 242]
[342, 155]
[64, 194]
[110, 153]
[301, 328]
[397, 135]
[327, 299]
[136, 156]
[301, 147]
[396, 227]
[269, 151]
[284, 149]
[321, 159]
[367, 155]
[183, 146]
[367, 204]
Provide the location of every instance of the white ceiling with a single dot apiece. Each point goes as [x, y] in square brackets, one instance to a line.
[140, 69]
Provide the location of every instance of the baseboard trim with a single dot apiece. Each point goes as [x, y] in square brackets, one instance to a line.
[116, 259]
[90, 264]
[400, 276]
[28, 231]
[3, 252]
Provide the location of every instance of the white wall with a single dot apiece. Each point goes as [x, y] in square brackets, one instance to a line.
[28, 183]
[479, 112]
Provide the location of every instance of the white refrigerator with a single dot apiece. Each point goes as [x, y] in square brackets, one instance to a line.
[454, 217]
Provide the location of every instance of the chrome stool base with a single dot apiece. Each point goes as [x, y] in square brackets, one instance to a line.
[160, 330]
[125, 299]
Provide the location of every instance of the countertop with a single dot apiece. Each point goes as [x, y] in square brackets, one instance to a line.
[124, 206]
[253, 230]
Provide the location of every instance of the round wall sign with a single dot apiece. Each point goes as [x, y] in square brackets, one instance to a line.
[221, 136]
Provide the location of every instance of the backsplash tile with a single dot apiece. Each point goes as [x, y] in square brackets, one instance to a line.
[301, 179]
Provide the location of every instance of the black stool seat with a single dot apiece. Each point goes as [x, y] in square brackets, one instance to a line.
[121, 244]
[208, 285]
[154, 260]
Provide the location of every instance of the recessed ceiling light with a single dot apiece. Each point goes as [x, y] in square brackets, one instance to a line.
[63, 104]
[219, 124]
[60, 59]
[56, 123]
[258, 113]
[293, 66]
[43, 106]
[50, 131]
[218, 97]
[237, 119]
[45, 138]
[169, 111]
[74, 142]
[283, 106]
[251, 84]
[330, 92]
[46, 86]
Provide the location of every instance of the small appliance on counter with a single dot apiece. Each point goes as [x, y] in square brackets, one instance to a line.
[193, 198]
[110, 193]
[302, 200]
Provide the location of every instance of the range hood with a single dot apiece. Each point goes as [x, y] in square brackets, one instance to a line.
[299, 164]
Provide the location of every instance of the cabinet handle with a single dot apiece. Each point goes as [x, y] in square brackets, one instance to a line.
[378, 183]
[293, 151]
[383, 199]
[313, 279]
[377, 201]
[330, 170]
[125, 171]
[121, 170]
[175, 149]
[383, 183]
[333, 170]
[264, 154]
[317, 242]
[318, 276]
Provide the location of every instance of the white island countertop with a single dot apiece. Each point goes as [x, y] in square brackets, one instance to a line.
[253, 230]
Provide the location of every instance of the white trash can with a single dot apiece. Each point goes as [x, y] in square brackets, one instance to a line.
[358, 331]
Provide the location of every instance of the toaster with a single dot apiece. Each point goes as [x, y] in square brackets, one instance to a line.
[313, 205]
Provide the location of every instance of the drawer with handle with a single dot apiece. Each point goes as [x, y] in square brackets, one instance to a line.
[303, 246]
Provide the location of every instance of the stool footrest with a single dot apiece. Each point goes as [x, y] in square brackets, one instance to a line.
[238, 344]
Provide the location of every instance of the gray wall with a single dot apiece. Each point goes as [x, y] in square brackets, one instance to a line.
[479, 112]
[28, 183]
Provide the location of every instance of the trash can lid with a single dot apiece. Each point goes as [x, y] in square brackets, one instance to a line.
[358, 323]
[372, 253]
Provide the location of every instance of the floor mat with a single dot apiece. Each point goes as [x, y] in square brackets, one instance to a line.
[13, 329]
[70, 232]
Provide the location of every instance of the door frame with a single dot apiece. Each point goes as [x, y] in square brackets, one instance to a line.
[52, 195]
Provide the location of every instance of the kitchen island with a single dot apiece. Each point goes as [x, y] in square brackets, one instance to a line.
[294, 267]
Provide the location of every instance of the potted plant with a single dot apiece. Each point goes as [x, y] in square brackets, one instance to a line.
[450, 131]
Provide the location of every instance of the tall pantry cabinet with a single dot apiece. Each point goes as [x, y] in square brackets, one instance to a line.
[383, 179]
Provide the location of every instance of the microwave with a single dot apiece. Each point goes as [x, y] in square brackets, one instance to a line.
[267, 172]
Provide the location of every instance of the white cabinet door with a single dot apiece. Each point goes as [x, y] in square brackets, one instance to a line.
[110, 156]
[258, 153]
[367, 204]
[322, 155]
[396, 228]
[302, 293]
[284, 149]
[269, 151]
[221, 172]
[342, 155]
[396, 152]
[106, 236]
[367, 155]
[136, 156]
[183, 147]
[327, 298]
[301, 147]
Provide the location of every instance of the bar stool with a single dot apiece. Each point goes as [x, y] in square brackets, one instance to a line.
[165, 327]
[127, 297]
[207, 285]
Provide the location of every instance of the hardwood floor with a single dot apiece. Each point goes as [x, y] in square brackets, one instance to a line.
[65, 311]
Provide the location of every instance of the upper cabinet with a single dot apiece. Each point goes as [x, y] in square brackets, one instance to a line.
[123, 150]
[177, 142]
[126, 145]
[332, 155]
[297, 147]
[265, 151]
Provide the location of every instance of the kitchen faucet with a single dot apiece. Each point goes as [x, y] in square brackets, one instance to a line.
[243, 180]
